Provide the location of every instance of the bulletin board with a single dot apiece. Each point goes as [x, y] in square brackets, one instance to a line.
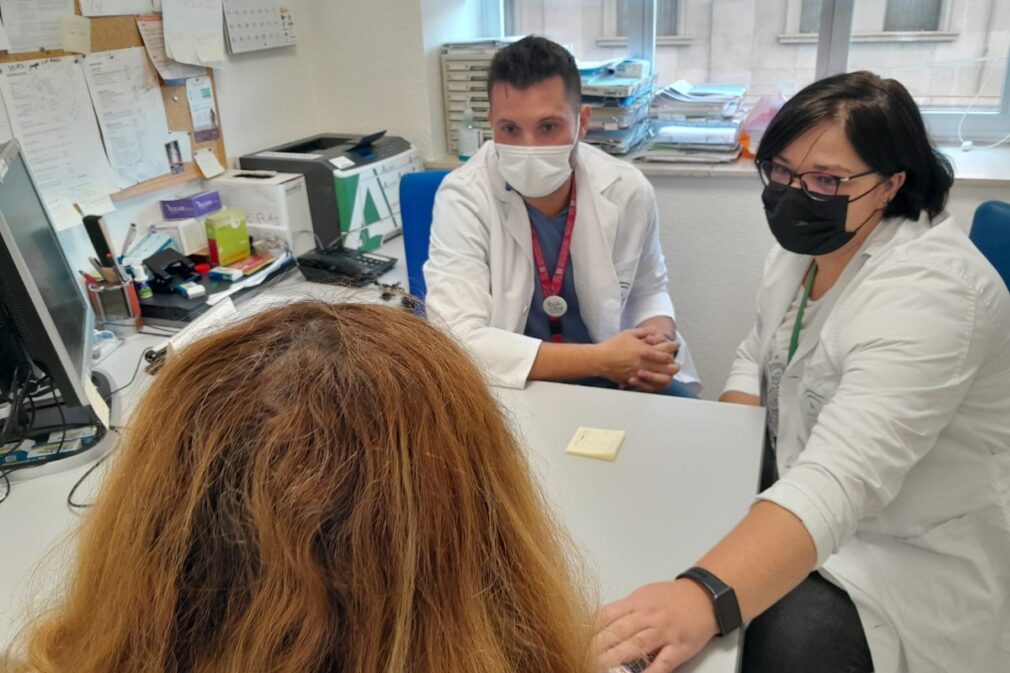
[120, 32]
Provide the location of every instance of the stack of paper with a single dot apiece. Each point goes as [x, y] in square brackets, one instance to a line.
[618, 92]
[682, 99]
[695, 123]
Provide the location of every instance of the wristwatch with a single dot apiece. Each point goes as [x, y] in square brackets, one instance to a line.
[727, 609]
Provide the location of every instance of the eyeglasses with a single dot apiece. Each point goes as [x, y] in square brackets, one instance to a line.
[815, 184]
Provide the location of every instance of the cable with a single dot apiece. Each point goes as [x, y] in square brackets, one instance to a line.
[967, 144]
[70, 496]
[133, 378]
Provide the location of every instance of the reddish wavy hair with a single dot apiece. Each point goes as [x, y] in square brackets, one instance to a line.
[318, 488]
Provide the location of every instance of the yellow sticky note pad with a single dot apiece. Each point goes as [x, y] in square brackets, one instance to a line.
[596, 443]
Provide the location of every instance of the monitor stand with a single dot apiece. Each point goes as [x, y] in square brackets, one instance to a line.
[48, 416]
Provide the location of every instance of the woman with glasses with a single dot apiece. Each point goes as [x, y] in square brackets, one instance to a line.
[881, 538]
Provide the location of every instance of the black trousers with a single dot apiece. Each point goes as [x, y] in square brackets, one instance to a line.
[814, 629]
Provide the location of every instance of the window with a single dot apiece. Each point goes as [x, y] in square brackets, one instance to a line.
[951, 54]
[666, 18]
[912, 15]
[810, 16]
[697, 40]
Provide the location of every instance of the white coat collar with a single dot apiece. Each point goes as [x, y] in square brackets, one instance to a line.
[888, 234]
[594, 234]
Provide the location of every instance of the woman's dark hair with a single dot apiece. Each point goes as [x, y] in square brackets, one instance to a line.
[884, 126]
[532, 60]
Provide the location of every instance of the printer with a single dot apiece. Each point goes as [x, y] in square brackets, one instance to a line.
[353, 183]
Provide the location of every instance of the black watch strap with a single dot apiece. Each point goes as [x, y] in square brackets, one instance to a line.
[727, 609]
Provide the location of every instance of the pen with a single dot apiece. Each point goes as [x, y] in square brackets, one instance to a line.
[95, 263]
[88, 278]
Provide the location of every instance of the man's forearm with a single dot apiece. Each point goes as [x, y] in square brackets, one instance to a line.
[564, 362]
[663, 324]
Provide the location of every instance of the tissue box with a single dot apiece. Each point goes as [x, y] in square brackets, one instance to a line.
[188, 207]
[227, 236]
[188, 236]
[276, 204]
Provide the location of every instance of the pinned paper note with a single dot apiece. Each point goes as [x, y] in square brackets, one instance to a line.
[200, 93]
[194, 31]
[77, 34]
[116, 7]
[32, 26]
[208, 163]
[97, 206]
[152, 31]
[131, 112]
[209, 48]
[52, 116]
[596, 443]
[5, 43]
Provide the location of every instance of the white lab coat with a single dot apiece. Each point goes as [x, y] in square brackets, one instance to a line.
[480, 272]
[894, 441]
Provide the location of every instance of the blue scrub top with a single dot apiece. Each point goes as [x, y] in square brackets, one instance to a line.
[550, 231]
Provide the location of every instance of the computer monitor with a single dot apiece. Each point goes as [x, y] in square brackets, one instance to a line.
[46, 323]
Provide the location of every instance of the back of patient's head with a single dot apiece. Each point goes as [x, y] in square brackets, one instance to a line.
[532, 60]
[319, 488]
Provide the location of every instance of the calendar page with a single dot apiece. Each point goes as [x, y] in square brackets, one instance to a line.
[253, 25]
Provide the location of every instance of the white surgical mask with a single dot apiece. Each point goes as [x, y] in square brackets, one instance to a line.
[536, 171]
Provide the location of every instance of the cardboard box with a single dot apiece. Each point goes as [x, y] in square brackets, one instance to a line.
[276, 204]
[227, 236]
[188, 236]
[186, 207]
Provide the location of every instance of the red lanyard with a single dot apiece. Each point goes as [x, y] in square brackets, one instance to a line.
[551, 287]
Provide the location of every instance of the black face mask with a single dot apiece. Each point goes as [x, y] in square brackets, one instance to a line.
[805, 226]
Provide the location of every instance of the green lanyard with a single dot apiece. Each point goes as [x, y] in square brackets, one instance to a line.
[794, 341]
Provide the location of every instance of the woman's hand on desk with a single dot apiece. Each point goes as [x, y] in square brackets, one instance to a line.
[671, 620]
[630, 353]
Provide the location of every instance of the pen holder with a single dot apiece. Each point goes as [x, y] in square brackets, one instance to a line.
[116, 307]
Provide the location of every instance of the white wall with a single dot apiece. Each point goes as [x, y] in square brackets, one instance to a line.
[376, 65]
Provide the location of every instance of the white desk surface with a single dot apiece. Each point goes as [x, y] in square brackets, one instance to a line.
[686, 472]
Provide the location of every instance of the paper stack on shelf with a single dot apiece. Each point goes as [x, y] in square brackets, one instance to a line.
[682, 99]
[695, 124]
[464, 79]
[618, 92]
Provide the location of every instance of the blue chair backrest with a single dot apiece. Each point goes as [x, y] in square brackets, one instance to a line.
[417, 198]
[990, 231]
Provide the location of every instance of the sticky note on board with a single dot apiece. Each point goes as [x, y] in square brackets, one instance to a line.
[76, 34]
[596, 443]
[208, 163]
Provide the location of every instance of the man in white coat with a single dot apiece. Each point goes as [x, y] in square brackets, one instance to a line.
[544, 255]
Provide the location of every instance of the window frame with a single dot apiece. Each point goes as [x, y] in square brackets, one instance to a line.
[833, 56]
[832, 41]
[945, 31]
[610, 37]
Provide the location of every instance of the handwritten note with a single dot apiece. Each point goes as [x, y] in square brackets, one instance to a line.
[131, 113]
[153, 33]
[77, 34]
[116, 7]
[194, 31]
[52, 116]
[32, 26]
